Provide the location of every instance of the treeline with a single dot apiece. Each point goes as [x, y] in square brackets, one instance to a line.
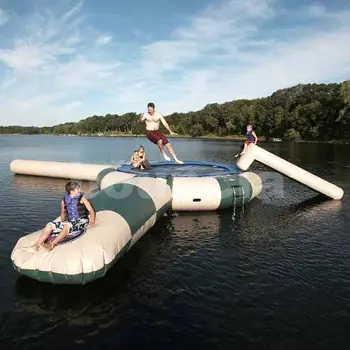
[302, 112]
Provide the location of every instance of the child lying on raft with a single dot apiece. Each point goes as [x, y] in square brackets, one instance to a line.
[138, 159]
[75, 210]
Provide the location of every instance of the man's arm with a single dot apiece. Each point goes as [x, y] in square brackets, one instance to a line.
[141, 118]
[162, 119]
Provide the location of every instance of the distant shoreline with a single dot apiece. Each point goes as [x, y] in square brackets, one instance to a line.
[111, 135]
[206, 137]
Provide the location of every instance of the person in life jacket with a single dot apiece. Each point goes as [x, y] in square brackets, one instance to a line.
[75, 211]
[251, 138]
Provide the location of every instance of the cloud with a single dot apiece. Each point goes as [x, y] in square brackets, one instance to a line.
[48, 65]
[245, 49]
[215, 32]
[231, 49]
[104, 39]
[4, 17]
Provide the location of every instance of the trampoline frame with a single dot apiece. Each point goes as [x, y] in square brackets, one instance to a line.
[230, 169]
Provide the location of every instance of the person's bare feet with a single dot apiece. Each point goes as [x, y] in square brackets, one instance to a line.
[48, 246]
[167, 158]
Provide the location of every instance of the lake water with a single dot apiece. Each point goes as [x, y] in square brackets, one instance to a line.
[272, 275]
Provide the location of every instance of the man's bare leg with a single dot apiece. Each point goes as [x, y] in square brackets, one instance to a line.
[171, 151]
[161, 149]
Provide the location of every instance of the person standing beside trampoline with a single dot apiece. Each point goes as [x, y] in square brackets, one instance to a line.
[152, 119]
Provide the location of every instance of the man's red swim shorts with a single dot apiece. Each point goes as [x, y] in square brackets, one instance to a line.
[155, 135]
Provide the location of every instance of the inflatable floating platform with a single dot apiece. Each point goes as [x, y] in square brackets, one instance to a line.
[129, 202]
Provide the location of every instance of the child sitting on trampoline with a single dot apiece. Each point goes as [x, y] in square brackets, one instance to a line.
[138, 159]
[251, 138]
[75, 210]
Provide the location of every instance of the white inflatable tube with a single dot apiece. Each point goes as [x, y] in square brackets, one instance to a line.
[113, 177]
[294, 172]
[72, 171]
[202, 193]
[125, 212]
[189, 193]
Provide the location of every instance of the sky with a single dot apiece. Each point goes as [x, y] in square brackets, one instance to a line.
[65, 60]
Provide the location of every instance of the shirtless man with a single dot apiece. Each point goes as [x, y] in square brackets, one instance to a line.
[152, 119]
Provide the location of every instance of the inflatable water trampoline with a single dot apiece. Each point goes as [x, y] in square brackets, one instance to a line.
[130, 201]
[195, 185]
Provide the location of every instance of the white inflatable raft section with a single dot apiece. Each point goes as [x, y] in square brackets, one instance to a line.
[124, 213]
[202, 193]
[294, 172]
[63, 170]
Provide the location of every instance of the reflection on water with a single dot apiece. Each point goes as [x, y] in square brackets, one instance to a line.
[38, 183]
